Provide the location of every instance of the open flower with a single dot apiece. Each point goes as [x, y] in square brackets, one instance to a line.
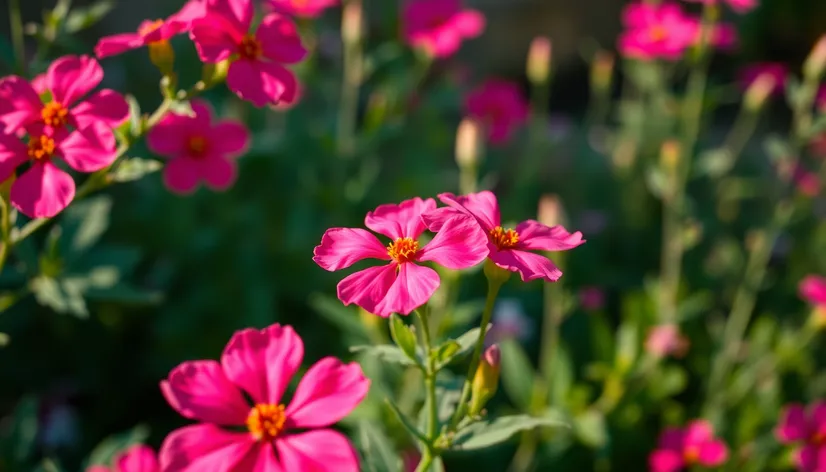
[739, 6]
[500, 106]
[44, 190]
[275, 436]
[813, 290]
[808, 430]
[666, 340]
[302, 8]
[199, 150]
[68, 80]
[402, 285]
[138, 458]
[439, 26]
[256, 73]
[656, 31]
[508, 248]
[680, 449]
[151, 32]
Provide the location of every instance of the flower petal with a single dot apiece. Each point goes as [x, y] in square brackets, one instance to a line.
[12, 153]
[482, 206]
[665, 461]
[169, 137]
[105, 106]
[89, 149]
[238, 12]
[203, 447]
[261, 459]
[215, 38]
[199, 390]
[219, 173]
[413, 287]
[71, 77]
[191, 11]
[328, 392]
[459, 244]
[806, 458]
[235, 138]
[42, 191]
[117, 44]
[793, 425]
[98, 468]
[529, 265]
[818, 422]
[813, 289]
[367, 288]
[534, 235]
[713, 453]
[19, 103]
[181, 175]
[671, 439]
[250, 82]
[320, 450]
[280, 40]
[698, 432]
[262, 362]
[342, 247]
[470, 23]
[138, 458]
[400, 221]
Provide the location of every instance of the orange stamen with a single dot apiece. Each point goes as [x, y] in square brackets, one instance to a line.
[504, 238]
[41, 147]
[403, 249]
[54, 114]
[197, 146]
[249, 48]
[266, 421]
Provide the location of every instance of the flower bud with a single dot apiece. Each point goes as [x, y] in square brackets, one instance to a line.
[539, 60]
[351, 22]
[162, 56]
[816, 62]
[817, 318]
[670, 155]
[758, 91]
[469, 144]
[485, 380]
[602, 70]
[551, 212]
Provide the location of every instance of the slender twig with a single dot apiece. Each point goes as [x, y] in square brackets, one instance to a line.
[16, 26]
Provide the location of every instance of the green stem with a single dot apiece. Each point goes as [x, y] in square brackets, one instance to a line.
[353, 65]
[426, 462]
[16, 23]
[429, 452]
[5, 241]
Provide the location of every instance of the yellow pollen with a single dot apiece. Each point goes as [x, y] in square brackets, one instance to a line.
[504, 238]
[691, 454]
[658, 33]
[249, 48]
[41, 147]
[54, 114]
[403, 249]
[266, 421]
[150, 27]
[197, 146]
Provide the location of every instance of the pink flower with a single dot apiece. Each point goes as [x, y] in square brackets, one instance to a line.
[777, 71]
[44, 190]
[666, 340]
[820, 99]
[807, 182]
[500, 105]
[138, 458]
[740, 6]
[656, 31]
[302, 8]
[68, 80]
[199, 149]
[151, 31]
[439, 26]
[508, 248]
[402, 285]
[723, 36]
[813, 290]
[256, 73]
[680, 449]
[267, 435]
[807, 429]
[591, 298]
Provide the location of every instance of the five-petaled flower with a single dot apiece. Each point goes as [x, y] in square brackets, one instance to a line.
[500, 106]
[302, 8]
[797, 426]
[439, 26]
[256, 73]
[259, 364]
[138, 458]
[508, 248]
[656, 31]
[403, 284]
[199, 150]
[680, 449]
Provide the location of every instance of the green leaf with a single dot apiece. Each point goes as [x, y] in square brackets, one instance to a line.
[4, 339]
[627, 346]
[405, 421]
[384, 352]
[83, 224]
[590, 428]
[20, 441]
[468, 340]
[448, 399]
[63, 296]
[338, 314]
[379, 455]
[446, 353]
[111, 446]
[404, 337]
[715, 163]
[487, 433]
[134, 168]
[517, 374]
[466, 312]
[82, 18]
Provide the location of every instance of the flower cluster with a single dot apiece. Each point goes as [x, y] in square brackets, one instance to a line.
[439, 26]
[807, 429]
[679, 449]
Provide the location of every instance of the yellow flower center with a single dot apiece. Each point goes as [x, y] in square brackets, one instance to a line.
[691, 455]
[504, 238]
[249, 48]
[197, 146]
[266, 421]
[54, 114]
[403, 249]
[41, 147]
[658, 33]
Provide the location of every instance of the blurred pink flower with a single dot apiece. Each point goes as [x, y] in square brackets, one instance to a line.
[820, 100]
[68, 79]
[500, 105]
[681, 449]
[656, 31]
[508, 248]
[402, 285]
[807, 429]
[807, 182]
[509, 322]
[259, 364]
[439, 26]
[138, 458]
[813, 290]
[256, 72]
[151, 31]
[740, 6]
[776, 70]
[302, 8]
[666, 340]
[198, 149]
[592, 298]
[723, 36]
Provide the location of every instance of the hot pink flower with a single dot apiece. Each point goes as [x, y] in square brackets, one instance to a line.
[808, 430]
[666, 340]
[44, 190]
[68, 80]
[680, 449]
[138, 458]
[723, 36]
[776, 70]
[500, 105]
[256, 73]
[591, 298]
[813, 289]
[740, 6]
[508, 248]
[258, 364]
[820, 99]
[656, 31]
[807, 182]
[439, 26]
[151, 31]
[302, 8]
[402, 285]
[199, 149]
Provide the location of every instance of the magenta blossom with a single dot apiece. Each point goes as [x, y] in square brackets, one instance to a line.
[439, 26]
[656, 31]
[680, 449]
[68, 80]
[151, 32]
[402, 285]
[666, 340]
[302, 8]
[779, 72]
[813, 289]
[199, 149]
[268, 434]
[256, 72]
[820, 99]
[500, 106]
[138, 458]
[806, 182]
[807, 429]
[508, 248]
[739, 6]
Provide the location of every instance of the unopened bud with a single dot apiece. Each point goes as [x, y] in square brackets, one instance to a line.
[351, 22]
[163, 56]
[485, 380]
[816, 62]
[539, 60]
[670, 154]
[759, 91]
[602, 70]
[212, 74]
[551, 212]
[817, 318]
[469, 143]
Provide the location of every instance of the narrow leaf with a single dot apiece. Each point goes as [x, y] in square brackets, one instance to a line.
[403, 336]
[378, 450]
[405, 421]
[135, 168]
[487, 433]
[385, 352]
